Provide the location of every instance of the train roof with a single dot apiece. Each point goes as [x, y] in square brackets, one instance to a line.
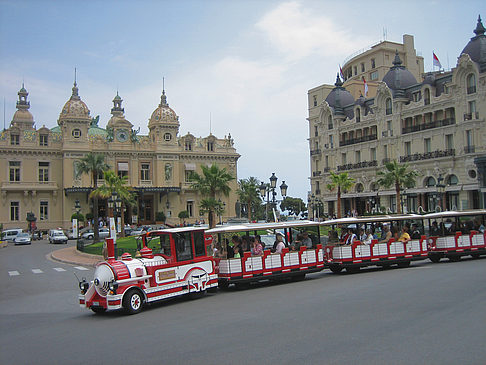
[455, 213]
[180, 229]
[261, 226]
[377, 218]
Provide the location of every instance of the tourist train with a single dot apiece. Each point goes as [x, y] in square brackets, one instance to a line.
[193, 260]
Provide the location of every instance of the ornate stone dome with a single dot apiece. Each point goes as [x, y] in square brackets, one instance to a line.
[476, 48]
[163, 113]
[398, 77]
[339, 95]
[75, 108]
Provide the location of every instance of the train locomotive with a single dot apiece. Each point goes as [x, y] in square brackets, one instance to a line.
[182, 267]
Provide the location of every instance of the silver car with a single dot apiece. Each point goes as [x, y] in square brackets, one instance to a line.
[23, 239]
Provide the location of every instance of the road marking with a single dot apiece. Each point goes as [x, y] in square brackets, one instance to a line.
[80, 268]
[13, 273]
[37, 271]
[59, 269]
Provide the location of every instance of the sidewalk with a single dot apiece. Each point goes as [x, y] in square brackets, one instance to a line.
[70, 255]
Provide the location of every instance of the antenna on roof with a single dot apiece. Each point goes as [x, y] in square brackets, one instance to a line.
[75, 75]
[385, 33]
[163, 83]
[4, 113]
[210, 129]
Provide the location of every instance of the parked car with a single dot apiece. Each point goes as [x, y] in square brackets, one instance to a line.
[57, 236]
[138, 231]
[10, 234]
[89, 234]
[23, 238]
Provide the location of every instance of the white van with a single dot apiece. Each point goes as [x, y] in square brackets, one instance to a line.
[57, 236]
[11, 234]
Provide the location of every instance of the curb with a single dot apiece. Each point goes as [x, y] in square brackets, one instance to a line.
[70, 255]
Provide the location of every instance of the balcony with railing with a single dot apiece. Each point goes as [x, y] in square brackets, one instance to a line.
[359, 165]
[469, 149]
[367, 138]
[469, 116]
[429, 125]
[316, 173]
[471, 89]
[315, 152]
[428, 155]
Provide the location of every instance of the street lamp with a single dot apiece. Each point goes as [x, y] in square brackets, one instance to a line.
[265, 189]
[114, 202]
[77, 207]
[440, 190]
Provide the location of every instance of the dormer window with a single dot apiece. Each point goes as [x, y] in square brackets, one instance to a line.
[43, 140]
[210, 146]
[188, 146]
[358, 115]
[471, 83]
[388, 106]
[426, 97]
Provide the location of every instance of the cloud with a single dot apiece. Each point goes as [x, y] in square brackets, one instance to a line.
[298, 33]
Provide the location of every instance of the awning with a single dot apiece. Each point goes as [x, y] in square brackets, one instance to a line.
[190, 166]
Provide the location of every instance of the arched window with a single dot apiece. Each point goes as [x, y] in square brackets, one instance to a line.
[388, 106]
[471, 83]
[358, 115]
[452, 180]
[329, 122]
[359, 188]
[426, 97]
[430, 182]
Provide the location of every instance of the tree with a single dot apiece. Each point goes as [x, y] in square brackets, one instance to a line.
[213, 181]
[248, 193]
[398, 175]
[92, 164]
[114, 183]
[294, 205]
[343, 183]
[183, 214]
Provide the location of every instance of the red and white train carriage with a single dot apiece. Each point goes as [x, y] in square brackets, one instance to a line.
[182, 266]
[456, 234]
[293, 264]
[356, 255]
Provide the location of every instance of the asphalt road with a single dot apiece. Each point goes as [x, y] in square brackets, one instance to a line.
[425, 314]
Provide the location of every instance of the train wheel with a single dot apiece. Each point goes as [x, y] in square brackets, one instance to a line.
[133, 302]
[475, 255]
[434, 258]
[197, 294]
[298, 277]
[98, 309]
[223, 284]
[454, 258]
[404, 264]
[352, 269]
[336, 269]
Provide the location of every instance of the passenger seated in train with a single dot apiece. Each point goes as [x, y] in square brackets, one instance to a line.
[333, 236]
[351, 237]
[368, 237]
[235, 241]
[245, 244]
[306, 240]
[404, 237]
[256, 248]
[416, 234]
[385, 234]
[236, 254]
[362, 234]
[259, 239]
[395, 233]
[478, 226]
[434, 230]
[295, 246]
[279, 244]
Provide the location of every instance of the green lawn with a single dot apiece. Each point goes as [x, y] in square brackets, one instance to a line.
[124, 244]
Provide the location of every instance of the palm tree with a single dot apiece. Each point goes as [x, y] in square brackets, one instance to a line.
[213, 181]
[114, 183]
[399, 175]
[248, 193]
[93, 164]
[343, 183]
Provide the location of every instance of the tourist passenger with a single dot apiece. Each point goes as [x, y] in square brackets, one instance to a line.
[434, 230]
[306, 241]
[385, 234]
[257, 249]
[295, 246]
[368, 237]
[416, 234]
[404, 237]
[236, 252]
[245, 244]
[259, 240]
[279, 245]
[351, 237]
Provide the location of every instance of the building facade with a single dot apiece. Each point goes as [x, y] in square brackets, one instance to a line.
[38, 166]
[433, 121]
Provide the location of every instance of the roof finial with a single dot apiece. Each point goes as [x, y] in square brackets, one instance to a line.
[479, 27]
[163, 98]
[75, 76]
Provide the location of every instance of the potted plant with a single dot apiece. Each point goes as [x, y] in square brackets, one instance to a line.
[160, 218]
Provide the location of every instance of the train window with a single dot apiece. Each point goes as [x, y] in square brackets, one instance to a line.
[165, 245]
[199, 244]
[183, 246]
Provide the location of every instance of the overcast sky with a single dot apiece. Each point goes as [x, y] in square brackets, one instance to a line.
[248, 64]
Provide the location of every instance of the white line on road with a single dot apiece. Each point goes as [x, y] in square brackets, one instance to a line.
[80, 268]
[13, 273]
[59, 269]
[37, 271]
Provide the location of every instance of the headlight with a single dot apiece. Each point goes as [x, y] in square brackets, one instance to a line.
[83, 286]
[113, 286]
